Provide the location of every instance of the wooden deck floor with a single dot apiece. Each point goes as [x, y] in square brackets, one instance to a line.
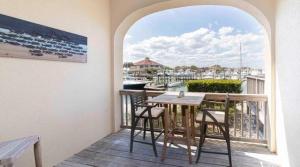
[113, 151]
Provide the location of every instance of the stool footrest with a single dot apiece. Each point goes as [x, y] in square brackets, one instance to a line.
[213, 152]
[143, 142]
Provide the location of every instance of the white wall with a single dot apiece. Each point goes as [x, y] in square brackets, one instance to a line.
[288, 81]
[67, 104]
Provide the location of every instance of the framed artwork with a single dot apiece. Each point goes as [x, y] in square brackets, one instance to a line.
[23, 39]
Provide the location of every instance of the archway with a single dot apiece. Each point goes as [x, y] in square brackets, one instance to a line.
[123, 27]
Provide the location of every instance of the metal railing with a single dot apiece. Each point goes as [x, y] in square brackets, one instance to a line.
[248, 114]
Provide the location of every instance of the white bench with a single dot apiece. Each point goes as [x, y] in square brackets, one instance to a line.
[11, 150]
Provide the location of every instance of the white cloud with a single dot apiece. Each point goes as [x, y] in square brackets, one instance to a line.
[203, 47]
[225, 30]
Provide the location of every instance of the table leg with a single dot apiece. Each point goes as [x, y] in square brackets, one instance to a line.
[183, 120]
[193, 133]
[174, 117]
[166, 122]
[37, 154]
[188, 133]
[170, 109]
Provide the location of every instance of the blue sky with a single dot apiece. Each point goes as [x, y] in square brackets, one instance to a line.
[164, 35]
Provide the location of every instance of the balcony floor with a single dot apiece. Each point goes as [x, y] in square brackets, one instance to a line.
[113, 151]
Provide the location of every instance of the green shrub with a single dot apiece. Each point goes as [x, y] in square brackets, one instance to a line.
[217, 86]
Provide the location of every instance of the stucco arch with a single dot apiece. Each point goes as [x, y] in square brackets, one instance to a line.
[120, 29]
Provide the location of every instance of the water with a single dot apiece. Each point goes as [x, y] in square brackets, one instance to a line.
[178, 88]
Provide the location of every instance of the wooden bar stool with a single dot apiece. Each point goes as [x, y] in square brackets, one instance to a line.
[140, 109]
[219, 118]
[12, 150]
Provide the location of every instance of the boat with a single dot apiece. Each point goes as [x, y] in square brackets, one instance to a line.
[133, 84]
[155, 88]
[174, 84]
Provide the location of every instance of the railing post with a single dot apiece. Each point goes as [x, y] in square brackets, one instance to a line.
[266, 122]
[242, 118]
[250, 120]
[122, 111]
[234, 118]
[126, 107]
[257, 120]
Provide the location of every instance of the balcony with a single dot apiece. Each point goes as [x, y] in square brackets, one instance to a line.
[72, 105]
[248, 128]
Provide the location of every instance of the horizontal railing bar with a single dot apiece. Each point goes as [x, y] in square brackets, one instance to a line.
[211, 96]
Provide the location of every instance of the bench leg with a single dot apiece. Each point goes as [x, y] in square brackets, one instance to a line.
[37, 154]
[9, 165]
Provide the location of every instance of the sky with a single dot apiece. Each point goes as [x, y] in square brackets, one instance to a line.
[197, 35]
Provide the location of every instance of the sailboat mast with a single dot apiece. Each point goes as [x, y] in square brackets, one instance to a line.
[241, 61]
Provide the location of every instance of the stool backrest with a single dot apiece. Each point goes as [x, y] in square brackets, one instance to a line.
[226, 104]
[137, 100]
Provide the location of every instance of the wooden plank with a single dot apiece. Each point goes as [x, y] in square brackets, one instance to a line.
[71, 164]
[145, 154]
[193, 99]
[113, 151]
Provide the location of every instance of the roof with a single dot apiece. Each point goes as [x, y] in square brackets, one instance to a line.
[146, 61]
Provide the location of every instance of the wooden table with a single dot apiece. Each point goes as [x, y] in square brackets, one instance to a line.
[188, 103]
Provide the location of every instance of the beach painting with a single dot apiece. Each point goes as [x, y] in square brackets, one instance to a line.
[23, 39]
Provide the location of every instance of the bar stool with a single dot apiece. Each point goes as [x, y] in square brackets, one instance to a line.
[140, 109]
[219, 118]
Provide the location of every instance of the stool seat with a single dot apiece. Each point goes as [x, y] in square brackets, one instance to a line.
[218, 115]
[155, 112]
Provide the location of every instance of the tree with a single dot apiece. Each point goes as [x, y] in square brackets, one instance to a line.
[177, 68]
[151, 71]
[128, 64]
[168, 68]
[194, 68]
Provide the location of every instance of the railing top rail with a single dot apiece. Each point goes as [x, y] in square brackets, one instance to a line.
[211, 96]
[255, 78]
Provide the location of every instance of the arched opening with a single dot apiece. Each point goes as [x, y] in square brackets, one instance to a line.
[169, 47]
[132, 18]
